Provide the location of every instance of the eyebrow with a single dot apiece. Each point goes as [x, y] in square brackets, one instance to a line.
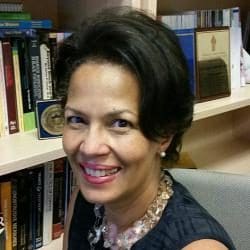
[110, 114]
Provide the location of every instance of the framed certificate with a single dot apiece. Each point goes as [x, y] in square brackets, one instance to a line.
[213, 63]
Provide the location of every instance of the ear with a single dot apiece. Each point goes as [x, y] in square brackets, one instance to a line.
[165, 142]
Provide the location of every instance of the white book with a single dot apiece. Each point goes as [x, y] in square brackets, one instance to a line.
[19, 98]
[48, 202]
[235, 56]
[4, 125]
[226, 20]
[47, 88]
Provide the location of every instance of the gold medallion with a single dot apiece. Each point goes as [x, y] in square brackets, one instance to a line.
[52, 119]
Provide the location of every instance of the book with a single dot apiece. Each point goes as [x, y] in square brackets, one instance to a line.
[179, 19]
[246, 34]
[35, 218]
[36, 190]
[23, 208]
[202, 18]
[4, 126]
[26, 24]
[187, 42]
[19, 97]
[11, 6]
[26, 84]
[35, 66]
[58, 202]
[17, 32]
[67, 187]
[235, 56]
[235, 48]
[7, 212]
[15, 15]
[45, 57]
[14, 192]
[48, 187]
[10, 87]
[2, 230]
[52, 41]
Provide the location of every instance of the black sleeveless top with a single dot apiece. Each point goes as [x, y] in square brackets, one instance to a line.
[183, 221]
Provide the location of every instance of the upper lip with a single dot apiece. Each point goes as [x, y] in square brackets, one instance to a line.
[97, 166]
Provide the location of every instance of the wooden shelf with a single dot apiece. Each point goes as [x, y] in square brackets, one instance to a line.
[231, 156]
[239, 98]
[23, 150]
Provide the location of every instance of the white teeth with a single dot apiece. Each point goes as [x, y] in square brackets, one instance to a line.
[100, 173]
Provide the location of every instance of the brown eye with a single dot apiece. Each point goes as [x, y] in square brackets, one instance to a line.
[75, 119]
[121, 123]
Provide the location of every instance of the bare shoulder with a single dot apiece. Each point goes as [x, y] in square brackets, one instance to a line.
[205, 244]
[69, 217]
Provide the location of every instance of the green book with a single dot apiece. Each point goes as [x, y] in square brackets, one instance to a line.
[29, 121]
[15, 16]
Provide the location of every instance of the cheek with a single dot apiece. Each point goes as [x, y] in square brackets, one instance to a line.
[136, 149]
[70, 142]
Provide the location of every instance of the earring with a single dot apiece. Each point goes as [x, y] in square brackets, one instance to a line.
[163, 154]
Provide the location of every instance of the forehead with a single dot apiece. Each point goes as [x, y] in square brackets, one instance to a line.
[98, 82]
[112, 76]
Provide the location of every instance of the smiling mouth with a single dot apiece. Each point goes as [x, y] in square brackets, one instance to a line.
[100, 173]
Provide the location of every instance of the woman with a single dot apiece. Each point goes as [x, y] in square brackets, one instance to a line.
[127, 101]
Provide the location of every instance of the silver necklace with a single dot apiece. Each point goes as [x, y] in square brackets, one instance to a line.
[139, 228]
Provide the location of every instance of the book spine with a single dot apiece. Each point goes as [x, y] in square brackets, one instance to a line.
[58, 203]
[11, 7]
[35, 67]
[23, 211]
[29, 236]
[19, 98]
[38, 209]
[10, 87]
[14, 213]
[53, 54]
[26, 24]
[17, 32]
[28, 104]
[46, 71]
[67, 187]
[36, 190]
[48, 202]
[2, 230]
[15, 15]
[187, 42]
[7, 213]
[4, 126]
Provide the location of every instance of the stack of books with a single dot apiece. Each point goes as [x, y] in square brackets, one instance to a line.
[27, 56]
[33, 205]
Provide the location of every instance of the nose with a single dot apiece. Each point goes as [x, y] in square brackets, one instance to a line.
[94, 142]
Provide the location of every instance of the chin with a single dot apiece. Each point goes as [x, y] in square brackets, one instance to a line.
[94, 196]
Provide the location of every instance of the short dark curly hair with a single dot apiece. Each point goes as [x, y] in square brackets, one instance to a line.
[151, 51]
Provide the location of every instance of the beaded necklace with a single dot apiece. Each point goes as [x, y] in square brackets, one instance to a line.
[125, 239]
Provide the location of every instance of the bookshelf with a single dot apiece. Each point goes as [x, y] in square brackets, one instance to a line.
[23, 150]
[239, 98]
[219, 138]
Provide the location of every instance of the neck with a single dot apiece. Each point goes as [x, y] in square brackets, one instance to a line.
[122, 227]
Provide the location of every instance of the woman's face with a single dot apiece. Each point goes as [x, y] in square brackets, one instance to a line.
[110, 157]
